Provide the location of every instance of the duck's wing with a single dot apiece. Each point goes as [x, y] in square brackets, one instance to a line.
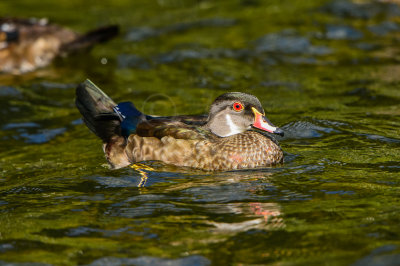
[193, 120]
[161, 127]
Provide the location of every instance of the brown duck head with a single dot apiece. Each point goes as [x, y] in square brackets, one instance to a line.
[236, 112]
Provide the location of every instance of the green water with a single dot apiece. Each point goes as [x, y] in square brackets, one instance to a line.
[335, 201]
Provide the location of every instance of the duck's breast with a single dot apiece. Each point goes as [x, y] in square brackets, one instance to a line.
[245, 150]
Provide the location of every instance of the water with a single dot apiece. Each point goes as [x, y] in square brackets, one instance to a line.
[326, 72]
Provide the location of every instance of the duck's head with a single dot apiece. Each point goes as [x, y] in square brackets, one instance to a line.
[236, 112]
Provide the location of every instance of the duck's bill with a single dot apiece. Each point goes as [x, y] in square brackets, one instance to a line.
[262, 123]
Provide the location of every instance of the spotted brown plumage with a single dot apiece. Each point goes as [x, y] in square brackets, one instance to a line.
[28, 44]
[226, 139]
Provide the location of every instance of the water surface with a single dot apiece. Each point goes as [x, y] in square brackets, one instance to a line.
[326, 72]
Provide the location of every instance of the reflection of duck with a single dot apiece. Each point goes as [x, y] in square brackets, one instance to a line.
[261, 215]
[27, 44]
[223, 141]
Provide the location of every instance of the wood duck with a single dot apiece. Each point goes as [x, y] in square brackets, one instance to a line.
[226, 139]
[27, 44]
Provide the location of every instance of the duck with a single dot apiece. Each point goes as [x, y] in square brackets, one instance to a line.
[27, 44]
[234, 135]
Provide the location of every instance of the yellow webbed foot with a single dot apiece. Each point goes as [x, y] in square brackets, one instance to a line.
[140, 168]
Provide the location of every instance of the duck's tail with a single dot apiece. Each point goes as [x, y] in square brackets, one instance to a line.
[97, 110]
[111, 122]
[91, 38]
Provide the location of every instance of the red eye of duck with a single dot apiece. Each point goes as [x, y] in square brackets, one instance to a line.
[237, 107]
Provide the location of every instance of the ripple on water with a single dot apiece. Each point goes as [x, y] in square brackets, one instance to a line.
[144, 210]
[334, 198]
[6, 91]
[302, 169]
[368, 97]
[25, 190]
[276, 83]
[223, 193]
[87, 231]
[147, 261]
[17, 245]
[380, 138]
[125, 181]
[10, 126]
[384, 28]
[23, 263]
[363, 10]
[142, 33]
[305, 129]
[380, 257]
[272, 48]
[133, 61]
[32, 133]
[288, 42]
[179, 55]
[44, 135]
[341, 32]
[133, 179]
